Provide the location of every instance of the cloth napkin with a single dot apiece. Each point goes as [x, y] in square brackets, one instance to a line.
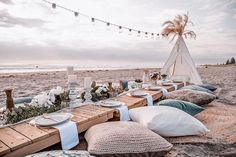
[149, 100]
[164, 92]
[68, 134]
[124, 113]
[184, 83]
[175, 86]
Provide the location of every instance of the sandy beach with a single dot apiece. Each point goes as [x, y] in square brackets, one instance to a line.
[223, 77]
[31, 84]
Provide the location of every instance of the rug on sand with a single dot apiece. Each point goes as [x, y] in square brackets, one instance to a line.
[220, 119]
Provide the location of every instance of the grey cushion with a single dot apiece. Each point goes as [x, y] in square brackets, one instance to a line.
[185, 106]
[198, 88]
[193, 96]
[124, 138]
[208, 86]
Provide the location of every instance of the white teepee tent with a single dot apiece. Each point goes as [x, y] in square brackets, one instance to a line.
[180, 64]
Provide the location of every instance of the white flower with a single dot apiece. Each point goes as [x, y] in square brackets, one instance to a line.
[40, 100]
[2, 110]
[55, 91]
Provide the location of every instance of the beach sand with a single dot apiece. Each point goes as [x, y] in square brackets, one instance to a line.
[223, 77]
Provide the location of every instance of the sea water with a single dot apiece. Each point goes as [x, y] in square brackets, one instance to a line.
[43, 68]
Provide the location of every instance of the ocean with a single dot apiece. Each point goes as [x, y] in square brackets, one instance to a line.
[43, 68]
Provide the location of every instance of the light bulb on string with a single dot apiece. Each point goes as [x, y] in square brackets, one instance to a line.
[54, 5]
[139, 34]
[146, 34]
[130, 32]
[120, 29]
[76, 14]
[93, 21]
[152, 35]
[108, 26]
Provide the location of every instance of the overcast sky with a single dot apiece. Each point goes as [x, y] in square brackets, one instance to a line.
[32, 32]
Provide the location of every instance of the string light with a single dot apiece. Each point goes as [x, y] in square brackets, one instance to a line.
[120, 29]
[93, 21]
[76, 13]
[130, 31]
[152, 35]
[108, 24]
[139, 33]
[54, 5]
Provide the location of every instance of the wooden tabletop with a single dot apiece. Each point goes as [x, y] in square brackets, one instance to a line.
[23, 139]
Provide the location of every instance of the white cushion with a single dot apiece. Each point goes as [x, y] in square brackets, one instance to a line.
[167, 121]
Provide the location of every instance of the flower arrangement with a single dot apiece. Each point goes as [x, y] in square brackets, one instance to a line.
[154, 75]
[164, 76]
[42, 103]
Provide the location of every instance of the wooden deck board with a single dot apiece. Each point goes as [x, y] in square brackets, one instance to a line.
[4, 148]
[13, 139]
[32, 132]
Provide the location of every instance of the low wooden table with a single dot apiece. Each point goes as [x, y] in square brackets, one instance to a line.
[23, 139]
[133, 102]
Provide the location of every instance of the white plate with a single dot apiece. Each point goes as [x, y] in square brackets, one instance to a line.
[54, 119]
[111, 103]
[154, 88]
[167, 84]
[138, 93]
[177, 81]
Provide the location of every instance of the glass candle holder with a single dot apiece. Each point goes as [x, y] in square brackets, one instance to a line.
[70, 70]
[72, 87]
[87, 82]
[87, 89]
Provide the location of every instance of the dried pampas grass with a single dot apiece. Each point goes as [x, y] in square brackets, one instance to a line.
[177, 27]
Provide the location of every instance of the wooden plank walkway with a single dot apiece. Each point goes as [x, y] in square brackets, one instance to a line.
[23, 139]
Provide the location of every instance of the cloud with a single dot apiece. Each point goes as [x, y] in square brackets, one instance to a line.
[7, 20]
[41, 33]
[6, 1]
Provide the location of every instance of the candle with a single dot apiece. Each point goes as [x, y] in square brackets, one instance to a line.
[72, 78]
[70, 70]
[87, 82]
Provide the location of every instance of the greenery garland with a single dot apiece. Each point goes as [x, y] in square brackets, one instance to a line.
[28, 111]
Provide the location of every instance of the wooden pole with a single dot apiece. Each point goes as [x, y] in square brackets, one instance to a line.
[9, 100]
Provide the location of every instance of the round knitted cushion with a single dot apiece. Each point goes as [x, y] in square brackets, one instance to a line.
[124, 138]
[193, 96]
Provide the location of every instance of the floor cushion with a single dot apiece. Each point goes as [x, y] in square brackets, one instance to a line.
[193, 96]
[167, 121]
[185, 106]
[125, 139]
[208, 86]
[197, 88]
